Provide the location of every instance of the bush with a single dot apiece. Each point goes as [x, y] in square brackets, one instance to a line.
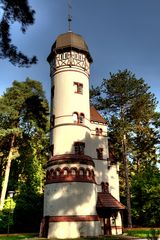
[28, 212]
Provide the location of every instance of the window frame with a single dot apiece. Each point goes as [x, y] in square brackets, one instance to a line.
[79, 148]
[99, 153]
[79, 87]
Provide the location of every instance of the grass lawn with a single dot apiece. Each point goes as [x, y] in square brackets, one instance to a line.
[135, 232]
[143, 233]
[16, 236]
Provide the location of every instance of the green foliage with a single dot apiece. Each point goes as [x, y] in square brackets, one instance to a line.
[15, 11]
[133, 130]
[24, 114]
[28, 211]
[6, 216]
[18, 236]
[143, 233]
[145, 197]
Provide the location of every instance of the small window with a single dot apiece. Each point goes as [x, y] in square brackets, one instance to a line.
[65, 172]
[97, 131]
[66, 55]
[79, 147]
[81, 118]
[52, 121]
[61, 56]
[52, 91]
[73, 172]
[52, 149]
[88, 173]
[80, 57]
[81, 172]
[75, 55]
[78, 87]
[58, 172]
[100, 131]
[99, 153]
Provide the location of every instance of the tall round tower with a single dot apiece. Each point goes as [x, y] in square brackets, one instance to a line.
[70, 190]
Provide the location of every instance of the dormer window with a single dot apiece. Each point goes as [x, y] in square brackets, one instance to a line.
[78, 87]
[79, 147]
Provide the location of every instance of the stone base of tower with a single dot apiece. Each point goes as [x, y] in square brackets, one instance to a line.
[73, 229]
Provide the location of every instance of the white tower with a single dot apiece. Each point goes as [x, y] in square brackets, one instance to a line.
[70, 190]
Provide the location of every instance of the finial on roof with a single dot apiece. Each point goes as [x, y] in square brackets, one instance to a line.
[69, 15]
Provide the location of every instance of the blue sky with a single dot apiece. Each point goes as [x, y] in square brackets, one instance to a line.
[120, 34]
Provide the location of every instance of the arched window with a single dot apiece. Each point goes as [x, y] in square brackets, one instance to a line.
[97, 131]
[58, 172]
[65, 171]
[75, 117]
[52, 172]
[100, 131]
[73, 172]
[88, 173]
[81, 118]
[81, 172]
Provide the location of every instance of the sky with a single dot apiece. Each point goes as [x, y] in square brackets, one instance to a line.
[120, 34]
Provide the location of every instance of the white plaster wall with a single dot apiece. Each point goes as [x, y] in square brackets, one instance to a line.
[113, 179]
[65, 100]
[98, 141]
[101, 173]
[65, 136]
[70, 230]
[101, 167]
[67, 199]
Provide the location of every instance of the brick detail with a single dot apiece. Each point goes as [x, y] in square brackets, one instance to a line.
[82, 218]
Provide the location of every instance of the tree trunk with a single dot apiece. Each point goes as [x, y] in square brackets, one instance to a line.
[7, 172]
[127, 182]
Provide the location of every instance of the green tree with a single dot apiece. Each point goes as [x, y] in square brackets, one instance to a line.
[130, 109]
[145, 197]
[15, 11]
[23, 112]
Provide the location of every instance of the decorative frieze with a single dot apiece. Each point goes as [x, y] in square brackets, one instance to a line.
[72, 174]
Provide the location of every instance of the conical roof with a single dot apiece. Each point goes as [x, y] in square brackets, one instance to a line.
[67, 41]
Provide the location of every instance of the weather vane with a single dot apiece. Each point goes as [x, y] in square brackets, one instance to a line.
[69, 15]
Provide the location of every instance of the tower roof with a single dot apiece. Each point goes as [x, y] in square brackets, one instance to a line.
[68, 41]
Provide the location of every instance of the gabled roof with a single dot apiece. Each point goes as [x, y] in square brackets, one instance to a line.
[95, 116]
[106, 200]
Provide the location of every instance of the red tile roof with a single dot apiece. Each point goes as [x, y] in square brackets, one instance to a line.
[106, 200]
[95, 116]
